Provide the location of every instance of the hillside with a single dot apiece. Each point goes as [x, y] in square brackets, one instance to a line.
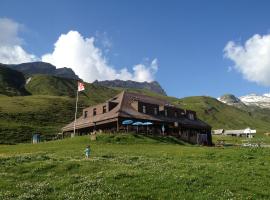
[11, 82]
[50, 105]
[22, 116]
[220, 115]
[51, 85]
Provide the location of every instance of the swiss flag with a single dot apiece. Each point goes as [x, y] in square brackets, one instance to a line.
[80, 86]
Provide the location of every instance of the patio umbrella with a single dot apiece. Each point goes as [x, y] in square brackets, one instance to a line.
[127, 122]
[147, 124]
[137, 124]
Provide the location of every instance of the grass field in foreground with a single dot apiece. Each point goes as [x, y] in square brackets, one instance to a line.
[132, 167]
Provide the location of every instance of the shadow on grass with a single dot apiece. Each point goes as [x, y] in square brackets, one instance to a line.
[166, 139]
[131, 138]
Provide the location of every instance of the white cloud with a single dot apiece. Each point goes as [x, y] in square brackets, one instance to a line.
[15, 55]
[74, 51]
[252, 59]
[79, 53]
[145, 73]
[11, 51]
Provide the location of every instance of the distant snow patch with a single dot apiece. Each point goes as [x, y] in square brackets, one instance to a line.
[262, 101]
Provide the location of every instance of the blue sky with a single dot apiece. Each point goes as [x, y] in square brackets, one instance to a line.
[187, 38]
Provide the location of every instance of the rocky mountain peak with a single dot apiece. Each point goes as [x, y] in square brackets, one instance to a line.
[152, 86]
[43, 68]
[231, 100]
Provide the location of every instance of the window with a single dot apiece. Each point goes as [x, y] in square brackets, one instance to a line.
[94, 111]
[104, 109]
[85, 113]
[166, 112]
[191, 116]
[155, 111]
[144, 109]
[175, 114]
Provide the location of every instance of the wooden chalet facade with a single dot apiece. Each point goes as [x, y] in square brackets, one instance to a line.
[109, 116]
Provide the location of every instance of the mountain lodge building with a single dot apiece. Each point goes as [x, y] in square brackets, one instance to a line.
[165, 118]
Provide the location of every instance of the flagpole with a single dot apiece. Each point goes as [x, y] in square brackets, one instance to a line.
[74, 128]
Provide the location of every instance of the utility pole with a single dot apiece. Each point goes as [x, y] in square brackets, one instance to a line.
[80, 88]
[75, 120]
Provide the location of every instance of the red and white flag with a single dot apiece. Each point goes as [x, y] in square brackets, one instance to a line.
[80, 86]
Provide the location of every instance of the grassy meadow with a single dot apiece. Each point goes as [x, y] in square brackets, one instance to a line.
[132, 167]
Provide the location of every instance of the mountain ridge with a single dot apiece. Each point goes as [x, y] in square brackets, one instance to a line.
[153, 86]
[42, 68]
[33, 68]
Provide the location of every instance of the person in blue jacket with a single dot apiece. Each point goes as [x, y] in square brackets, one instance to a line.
[87, 151]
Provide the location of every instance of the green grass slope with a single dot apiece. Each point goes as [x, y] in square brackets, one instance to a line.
[20, 117]
[51, 85]
[141, 168]
[11, 82]
[56, 86]
[220, 115]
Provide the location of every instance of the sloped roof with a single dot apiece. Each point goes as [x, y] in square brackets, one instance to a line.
[125, 110]
[128, 111]
[82, 122]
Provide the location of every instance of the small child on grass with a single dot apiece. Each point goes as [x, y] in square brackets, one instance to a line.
[87, 151]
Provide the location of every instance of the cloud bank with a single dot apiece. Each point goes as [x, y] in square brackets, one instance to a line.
[11, 50]
[71, 50]
[79, 53]
[252, 59]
